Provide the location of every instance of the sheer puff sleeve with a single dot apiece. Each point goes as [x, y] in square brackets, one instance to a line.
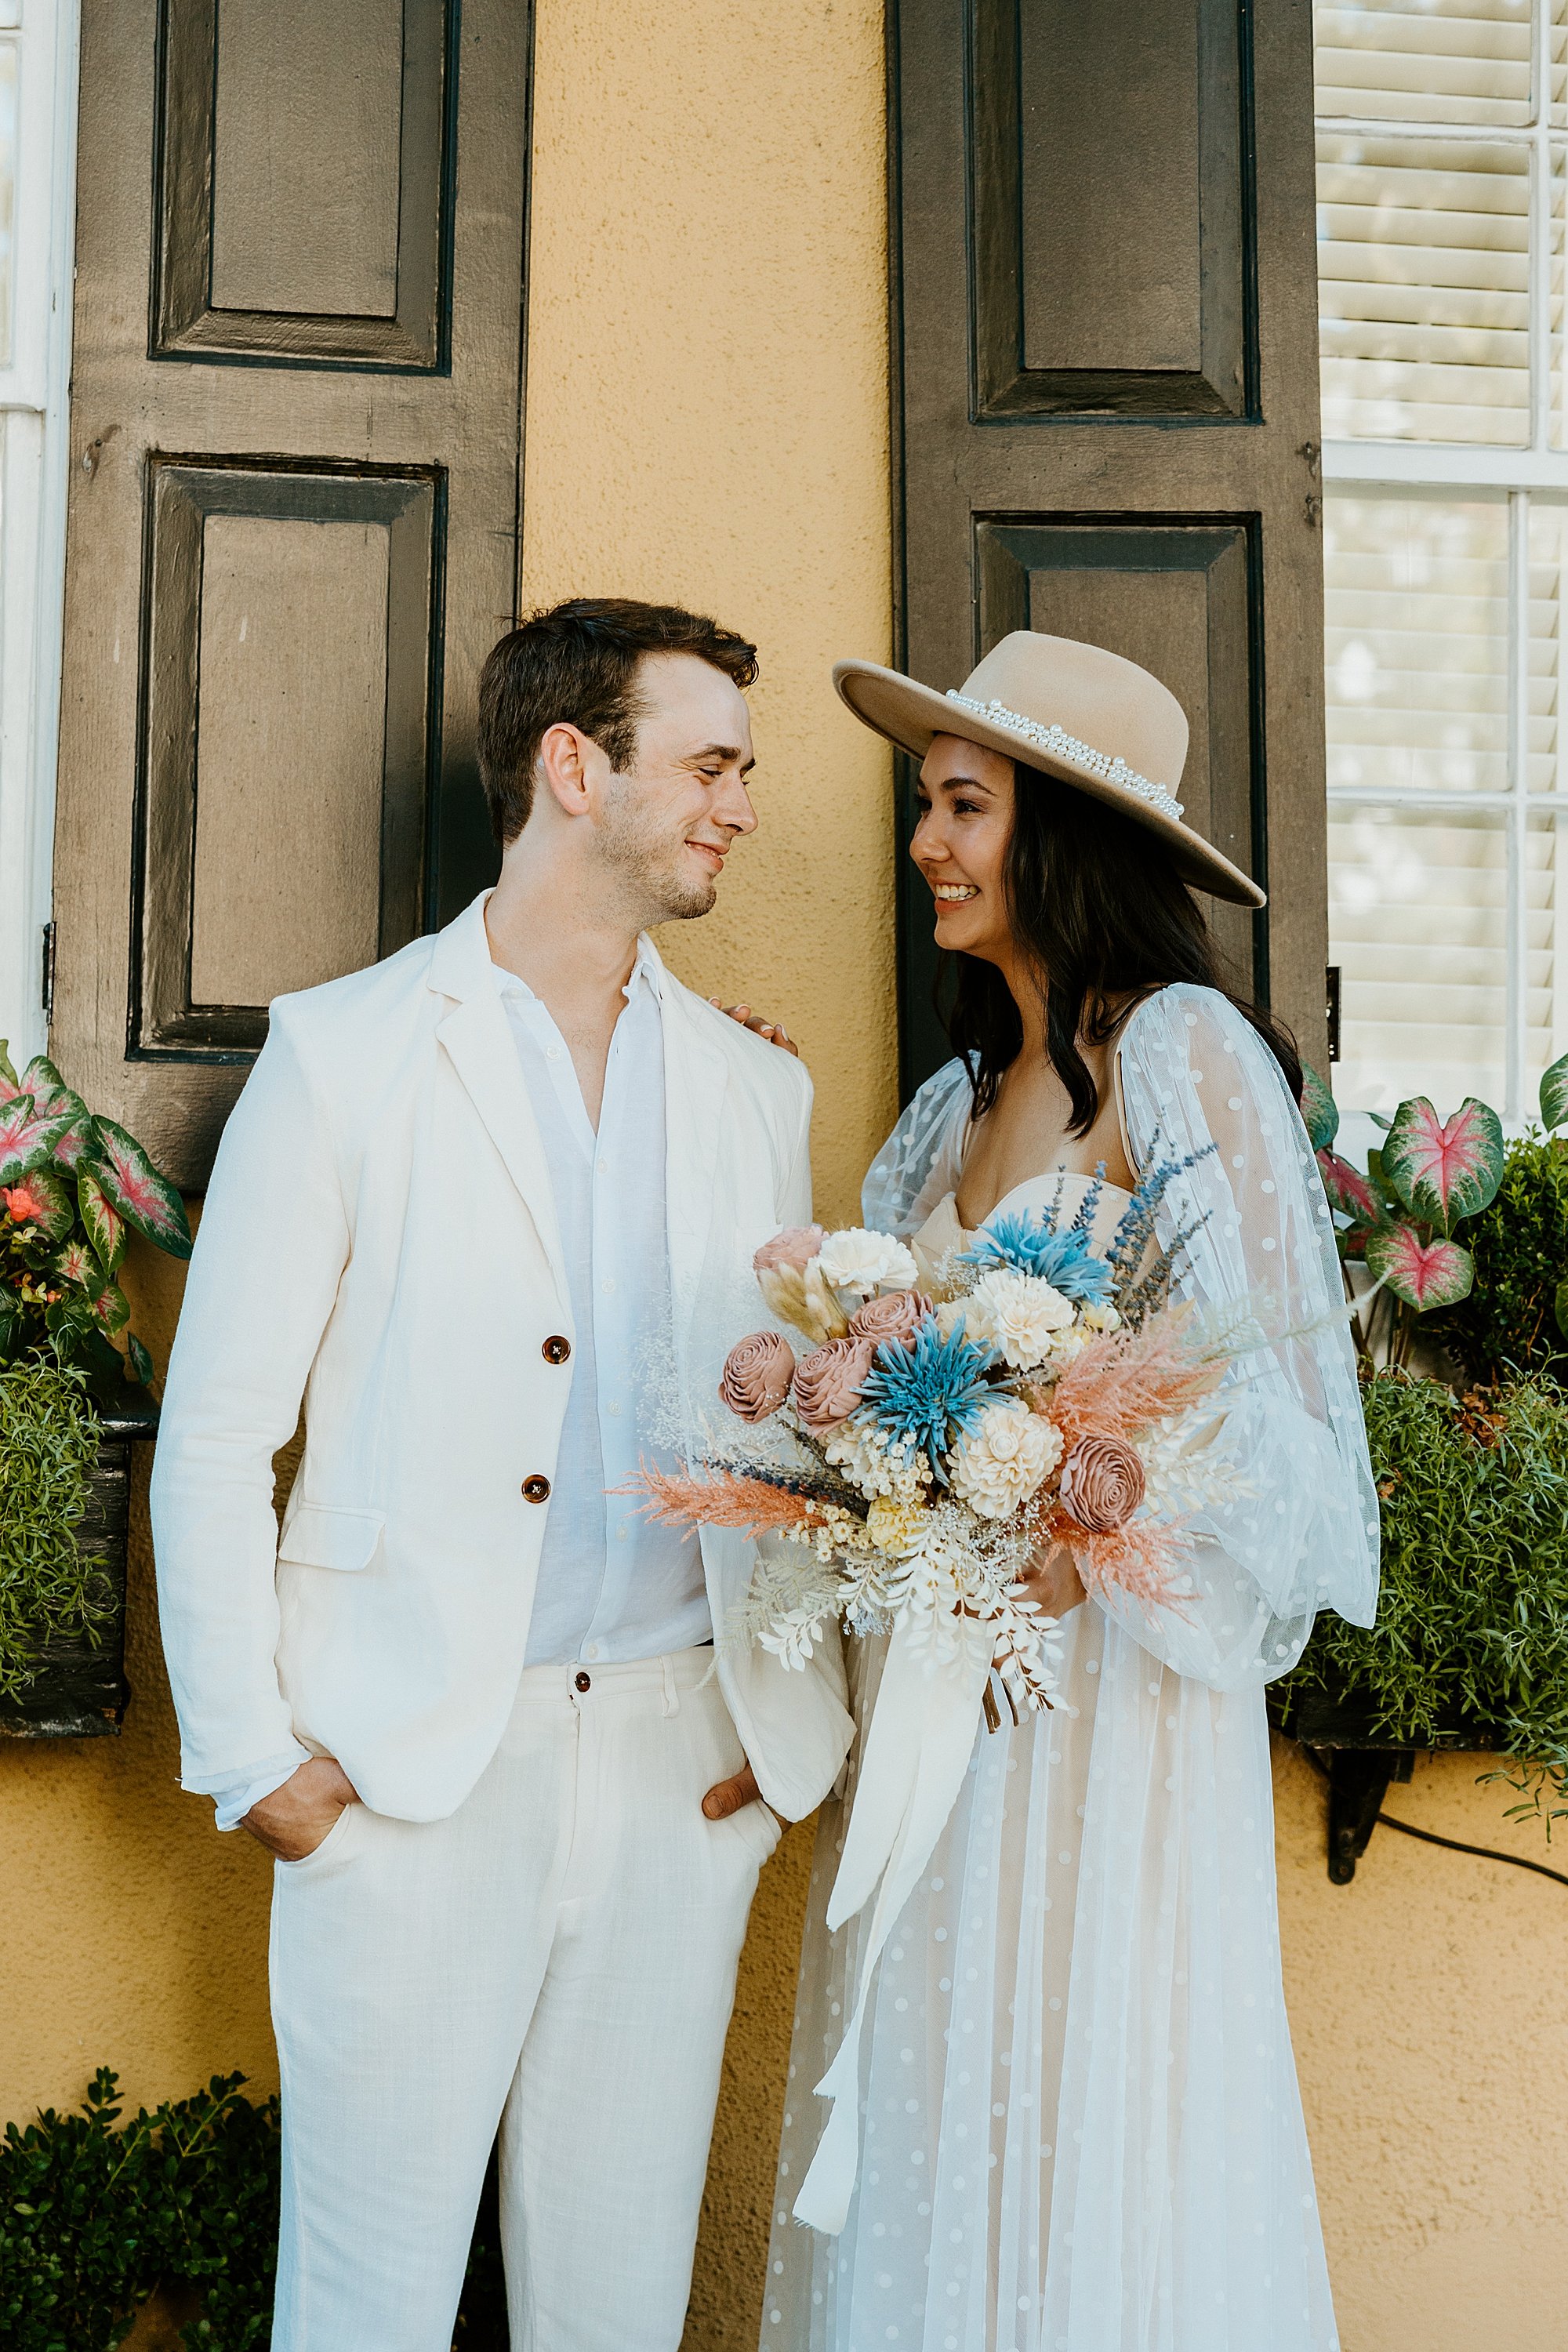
[1304, 1534]
[921, 1159]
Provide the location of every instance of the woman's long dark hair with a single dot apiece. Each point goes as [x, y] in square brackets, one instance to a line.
[1104, 919]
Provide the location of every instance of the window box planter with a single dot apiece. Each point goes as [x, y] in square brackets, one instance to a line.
[1341, 1726]
[82, 1690]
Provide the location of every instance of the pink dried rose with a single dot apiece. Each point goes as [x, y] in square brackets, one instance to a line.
[827, 1382]
[756, 1376]
[891, 1321]
[795, 1246]
[1102, 1483]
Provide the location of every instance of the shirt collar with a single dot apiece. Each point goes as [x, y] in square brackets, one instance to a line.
[647, 973]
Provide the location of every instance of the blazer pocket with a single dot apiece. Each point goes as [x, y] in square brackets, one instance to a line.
[321, 1534]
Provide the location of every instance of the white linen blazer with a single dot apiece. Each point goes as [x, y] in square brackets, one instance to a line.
[380, 1239]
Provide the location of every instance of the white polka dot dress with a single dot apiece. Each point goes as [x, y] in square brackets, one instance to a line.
[1081, 2131]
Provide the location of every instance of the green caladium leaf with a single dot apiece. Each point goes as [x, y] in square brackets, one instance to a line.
[106, 1228]
[1319, 1109]
[141, 1367]
[1444, 1169]
[8, 1069]
[144, 1197]
[1424, 1274]
[27, 1137]
[1554, 1095]
[41, 1201]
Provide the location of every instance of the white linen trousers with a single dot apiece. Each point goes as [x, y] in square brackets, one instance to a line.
[556, 1958]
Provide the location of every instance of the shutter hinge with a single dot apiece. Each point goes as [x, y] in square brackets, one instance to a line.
[46, 977]
[1332, 977]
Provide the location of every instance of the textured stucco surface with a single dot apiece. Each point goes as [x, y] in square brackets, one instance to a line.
[707, 421]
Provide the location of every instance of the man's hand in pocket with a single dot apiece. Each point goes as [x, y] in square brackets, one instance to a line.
[292, 1821]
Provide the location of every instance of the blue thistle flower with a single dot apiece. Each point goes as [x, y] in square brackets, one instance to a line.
[925, 1397]
[1030, 1245]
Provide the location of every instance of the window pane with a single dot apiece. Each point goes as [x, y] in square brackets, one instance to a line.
[1422, 289]
[7, 191]
[1426, 60]
[1545, 951]
[1416, 644]
[1417, 923]
[1547, 751]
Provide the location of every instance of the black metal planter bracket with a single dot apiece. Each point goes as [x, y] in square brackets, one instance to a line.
[1358, 1783]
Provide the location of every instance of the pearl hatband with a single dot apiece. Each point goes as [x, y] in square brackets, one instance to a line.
[1063, 746]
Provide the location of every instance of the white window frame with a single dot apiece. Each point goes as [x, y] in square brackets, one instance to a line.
[35, 395]
[1450, 469]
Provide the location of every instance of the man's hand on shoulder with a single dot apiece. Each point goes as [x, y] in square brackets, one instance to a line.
[292, 1821]
[774, 1030]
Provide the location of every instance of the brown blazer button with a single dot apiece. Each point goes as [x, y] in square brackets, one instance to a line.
[536, 1489]
[556, 1349]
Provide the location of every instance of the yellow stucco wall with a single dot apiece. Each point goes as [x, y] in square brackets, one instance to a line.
[707, 421]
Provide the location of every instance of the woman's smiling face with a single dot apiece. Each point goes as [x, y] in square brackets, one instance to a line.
[965, 799]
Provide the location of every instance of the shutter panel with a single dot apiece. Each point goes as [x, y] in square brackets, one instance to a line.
[1105, 404]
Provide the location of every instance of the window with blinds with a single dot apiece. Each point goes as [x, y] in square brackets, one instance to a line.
[1442, 181]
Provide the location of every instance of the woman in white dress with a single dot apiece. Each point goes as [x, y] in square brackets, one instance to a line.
[1079, 2123]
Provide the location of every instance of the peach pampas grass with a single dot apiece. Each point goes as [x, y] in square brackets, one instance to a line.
[1124, 1381]
[723, 1499]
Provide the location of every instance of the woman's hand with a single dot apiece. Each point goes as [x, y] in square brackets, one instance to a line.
[774, 1030]
[1053, 1581]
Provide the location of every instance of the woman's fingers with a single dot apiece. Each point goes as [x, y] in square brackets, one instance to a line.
[773, 1032]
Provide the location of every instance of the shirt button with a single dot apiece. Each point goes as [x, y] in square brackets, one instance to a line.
[556, 1349]
[621, 1532]
[536, 1489]
[584, 1681]
[552, 1053]
[613, 1405]
[608, 1284]
[593, 1649]
[604, 1167]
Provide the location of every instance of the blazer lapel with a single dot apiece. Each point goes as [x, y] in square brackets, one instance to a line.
[477, 1041]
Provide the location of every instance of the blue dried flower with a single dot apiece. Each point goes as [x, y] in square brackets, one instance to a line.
[1030, 1244]
[925, 1397]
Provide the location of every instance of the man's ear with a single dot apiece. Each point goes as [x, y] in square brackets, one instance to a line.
[564, 767]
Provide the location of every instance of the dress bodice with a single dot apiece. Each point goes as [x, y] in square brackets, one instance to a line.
[942, 1236]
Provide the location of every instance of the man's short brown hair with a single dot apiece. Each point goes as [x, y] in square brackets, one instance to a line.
[577, 665]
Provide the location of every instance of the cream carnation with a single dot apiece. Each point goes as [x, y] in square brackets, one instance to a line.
[1004, 1459]
[898, 1527]
[1018, 1314]
[864, 1262]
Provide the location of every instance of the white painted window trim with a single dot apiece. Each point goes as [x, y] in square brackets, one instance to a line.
[35, 393]
[1515, 474]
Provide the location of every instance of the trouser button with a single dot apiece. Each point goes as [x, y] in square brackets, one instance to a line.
[584, 1682]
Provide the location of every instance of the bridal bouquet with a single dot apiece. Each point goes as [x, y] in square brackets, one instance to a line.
[930, 1440]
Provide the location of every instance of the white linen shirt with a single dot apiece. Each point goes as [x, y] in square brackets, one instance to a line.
[613, 1585]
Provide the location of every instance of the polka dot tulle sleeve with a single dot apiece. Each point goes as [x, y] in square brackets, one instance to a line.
[921, 1159]
[1200, 1084]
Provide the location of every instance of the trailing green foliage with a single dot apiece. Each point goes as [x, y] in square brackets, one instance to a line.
[92, 2217]
[95, 2214]
[1473, 1617]
[1510, 1321]
[52, 1588]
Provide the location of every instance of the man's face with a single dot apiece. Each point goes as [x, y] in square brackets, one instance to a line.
[668, 826]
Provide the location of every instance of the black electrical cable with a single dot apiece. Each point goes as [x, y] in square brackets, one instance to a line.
[1455, 1845]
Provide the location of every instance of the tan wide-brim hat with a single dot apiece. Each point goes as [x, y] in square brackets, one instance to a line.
[1072, 711]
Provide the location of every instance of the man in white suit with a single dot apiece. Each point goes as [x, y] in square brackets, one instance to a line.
[469, 1698]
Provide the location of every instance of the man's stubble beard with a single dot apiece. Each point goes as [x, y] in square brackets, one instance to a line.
[638, 859]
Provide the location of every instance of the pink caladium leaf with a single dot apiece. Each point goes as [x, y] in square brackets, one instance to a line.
[106, 1228]
[27, 1137]
[1319, 1109]
[145, 1198]
[1424, 1274]
[49, 1092]
[78, 1265]
[9, 1083]
[110, 1309]
[41, 1202]
[1444, 1169]
[1349, 1191]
